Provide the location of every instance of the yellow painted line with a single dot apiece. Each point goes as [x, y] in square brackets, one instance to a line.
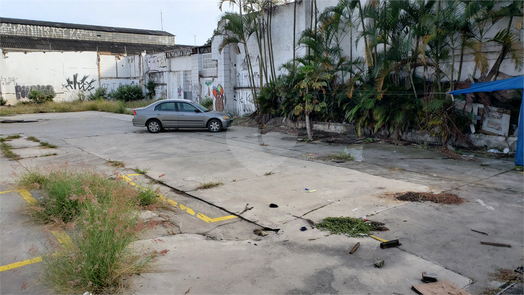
[27, 197]
[5, 192]
[20, 263]
[378, 239]
[211, 220]
[135, 174]
[185, 208]
[63, 238]
[188, 210]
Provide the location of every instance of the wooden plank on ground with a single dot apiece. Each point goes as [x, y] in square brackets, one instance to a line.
[439, 288]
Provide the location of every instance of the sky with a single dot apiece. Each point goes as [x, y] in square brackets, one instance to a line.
[183, 18]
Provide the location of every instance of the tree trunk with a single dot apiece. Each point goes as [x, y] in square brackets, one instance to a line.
[308, 127]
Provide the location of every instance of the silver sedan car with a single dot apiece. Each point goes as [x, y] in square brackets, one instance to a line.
[179, 113]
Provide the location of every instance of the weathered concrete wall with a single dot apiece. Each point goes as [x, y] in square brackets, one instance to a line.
[67, 73]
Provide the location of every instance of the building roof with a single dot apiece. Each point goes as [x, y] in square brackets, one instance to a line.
[50, 44]
[83, 27]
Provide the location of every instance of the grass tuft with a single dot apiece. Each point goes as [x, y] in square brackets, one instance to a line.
[354, 227]
[210, 184]
[142, 171]
[48, 155]
[118, 164]
[8, 152]
[269, 173]
[32, 138]
[74, 106]
[48, 145]
[15, 136]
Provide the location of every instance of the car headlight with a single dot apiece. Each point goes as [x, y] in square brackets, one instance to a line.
[226, 117]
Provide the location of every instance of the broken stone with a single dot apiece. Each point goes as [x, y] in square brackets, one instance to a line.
[379, 263]
[429, 277]
[273, 205]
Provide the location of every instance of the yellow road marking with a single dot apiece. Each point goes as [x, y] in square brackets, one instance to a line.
[211, 220]
[20, 263]
[27, 197]
[377, 238]
[63, 238]
[185, 208]
[5, 192]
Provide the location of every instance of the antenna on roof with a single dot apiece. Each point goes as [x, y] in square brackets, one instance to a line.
[161, 21]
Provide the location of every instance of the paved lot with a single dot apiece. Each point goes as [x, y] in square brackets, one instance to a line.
[213, 255]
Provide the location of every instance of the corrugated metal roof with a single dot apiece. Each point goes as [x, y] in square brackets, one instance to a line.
[49, 44]
[84, 27]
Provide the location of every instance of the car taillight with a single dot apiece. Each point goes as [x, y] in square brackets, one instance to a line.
[134, 112]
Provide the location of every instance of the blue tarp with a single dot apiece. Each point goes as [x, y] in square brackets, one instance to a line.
[513, 83]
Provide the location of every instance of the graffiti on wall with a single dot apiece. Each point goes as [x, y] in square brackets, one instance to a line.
[8, 80]
[83, 84]
[155, 63]
[23, 91]
[208, 84]
[44, 31]
[244, 102]
[220, 99]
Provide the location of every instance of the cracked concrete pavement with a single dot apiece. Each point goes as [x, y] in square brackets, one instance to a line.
[258, 169]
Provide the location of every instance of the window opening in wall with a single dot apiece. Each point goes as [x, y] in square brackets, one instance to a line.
[208, 62]
[187, 81]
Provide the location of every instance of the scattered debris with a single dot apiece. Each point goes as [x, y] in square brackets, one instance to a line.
[429, 277]
[483, 204]
[311, 222]
[303, 228]
[430, 197]
[245, 209]
[260, 232]
[480, 232]
[520, 270]
[310, 190]
[379, 263]
[379, 226]
[354, 248]
[272, 205]
[390, 244]
[442, 287]
[495, 244]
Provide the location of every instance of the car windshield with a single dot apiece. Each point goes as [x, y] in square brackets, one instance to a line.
[198, 106]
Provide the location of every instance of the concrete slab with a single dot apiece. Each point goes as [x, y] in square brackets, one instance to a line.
[287, 267]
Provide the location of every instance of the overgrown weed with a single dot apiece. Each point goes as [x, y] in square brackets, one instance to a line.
[104, 213]
[8, 152]
[209, 184]
[354, 227]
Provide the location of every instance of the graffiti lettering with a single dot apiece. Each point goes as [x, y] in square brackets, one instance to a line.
[82, 84]
[244, 103]
[23, 91]
[155, 63]
[9, 80]
[44, 31]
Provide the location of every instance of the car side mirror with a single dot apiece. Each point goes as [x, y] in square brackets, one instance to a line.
[197, 111]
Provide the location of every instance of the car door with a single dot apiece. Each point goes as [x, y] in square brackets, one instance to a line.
[189, 116]
[166, 113]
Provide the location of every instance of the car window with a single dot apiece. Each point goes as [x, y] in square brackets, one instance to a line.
[167, 106]
[185, 107]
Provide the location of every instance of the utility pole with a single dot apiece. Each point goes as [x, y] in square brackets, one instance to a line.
[161, 21]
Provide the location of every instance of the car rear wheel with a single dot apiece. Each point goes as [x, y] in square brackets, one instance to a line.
[214, 125]
[154, 126]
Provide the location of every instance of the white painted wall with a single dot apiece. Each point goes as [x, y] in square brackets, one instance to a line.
[21, 71]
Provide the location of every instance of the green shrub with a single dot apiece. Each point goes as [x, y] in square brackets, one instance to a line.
[100, 92]
[150, 86]
[207, 103]
[2, 101]
[41, 96]
[127, 93]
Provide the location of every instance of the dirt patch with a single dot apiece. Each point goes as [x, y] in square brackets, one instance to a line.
[429, 197]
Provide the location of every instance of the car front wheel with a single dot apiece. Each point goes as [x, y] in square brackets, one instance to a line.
[154, 126]
[214, 125]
